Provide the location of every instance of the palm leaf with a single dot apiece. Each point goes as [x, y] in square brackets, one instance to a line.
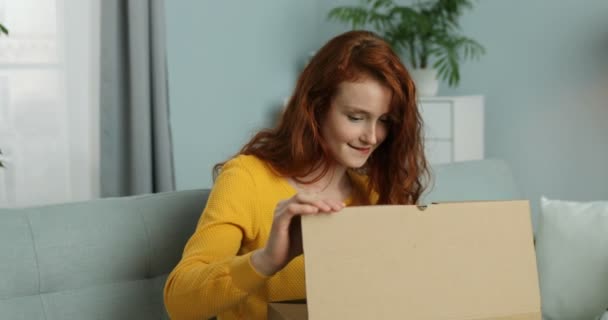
[3, 29]
[380, 21]
[426, 32]
[378, 4]
[356, 16]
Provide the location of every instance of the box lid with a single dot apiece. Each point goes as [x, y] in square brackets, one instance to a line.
[449, 261]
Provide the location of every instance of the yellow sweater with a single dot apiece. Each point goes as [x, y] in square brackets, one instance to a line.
[215, 276]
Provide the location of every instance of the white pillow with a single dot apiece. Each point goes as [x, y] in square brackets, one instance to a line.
[572, 256]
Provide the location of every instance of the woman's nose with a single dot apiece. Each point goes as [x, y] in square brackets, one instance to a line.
[370, 136]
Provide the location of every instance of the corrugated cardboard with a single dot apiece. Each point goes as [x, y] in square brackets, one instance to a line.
[457, 261]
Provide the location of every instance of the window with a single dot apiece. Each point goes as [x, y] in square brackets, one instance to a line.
[48, 101]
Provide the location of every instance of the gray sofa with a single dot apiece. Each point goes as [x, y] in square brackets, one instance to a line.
[109, 258]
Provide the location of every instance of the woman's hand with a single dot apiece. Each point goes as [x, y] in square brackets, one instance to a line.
[285, 240]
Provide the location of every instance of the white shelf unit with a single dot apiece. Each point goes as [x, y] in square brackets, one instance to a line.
[453, 128]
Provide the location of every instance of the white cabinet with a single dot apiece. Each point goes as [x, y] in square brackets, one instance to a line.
[453, 128]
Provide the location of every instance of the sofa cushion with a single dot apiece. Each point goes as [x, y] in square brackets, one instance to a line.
[571, 249]
[81, 245]
[99, 259]
[19, 267]
[22, 308]
[132, 300]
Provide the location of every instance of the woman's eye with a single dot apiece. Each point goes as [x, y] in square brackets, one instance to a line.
[385, 120]
[354, 118]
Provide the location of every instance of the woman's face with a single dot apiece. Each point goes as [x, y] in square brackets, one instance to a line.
[357, 121]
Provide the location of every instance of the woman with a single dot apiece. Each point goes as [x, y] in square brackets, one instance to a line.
[350, 135]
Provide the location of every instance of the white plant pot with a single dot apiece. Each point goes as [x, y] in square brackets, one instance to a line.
[427, 84]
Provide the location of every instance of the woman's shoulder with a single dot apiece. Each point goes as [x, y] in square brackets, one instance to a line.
[249, 163]
[249, 171]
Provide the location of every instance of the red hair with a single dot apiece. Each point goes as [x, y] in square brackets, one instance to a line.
[295, 147]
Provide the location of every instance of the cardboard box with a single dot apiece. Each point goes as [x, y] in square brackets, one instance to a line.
[457, 261]
[287, 311]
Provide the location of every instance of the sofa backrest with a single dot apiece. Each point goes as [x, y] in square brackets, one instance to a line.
[109, 258]
[489, 179]
[100, 259]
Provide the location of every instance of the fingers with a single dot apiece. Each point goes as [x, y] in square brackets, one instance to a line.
[336, 205]
[314, 199]
[284, 242]
[290, 210]
[302, 209]
[304, 204]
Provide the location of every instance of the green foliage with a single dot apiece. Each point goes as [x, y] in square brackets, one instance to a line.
[3, 30]
[426, 33]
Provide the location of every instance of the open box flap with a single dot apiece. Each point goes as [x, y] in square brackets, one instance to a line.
[465, 260]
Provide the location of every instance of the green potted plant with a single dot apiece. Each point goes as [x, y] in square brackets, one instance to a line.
[425, 33]
[3, 30]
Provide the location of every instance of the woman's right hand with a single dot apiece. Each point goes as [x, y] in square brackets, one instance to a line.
[285, 239]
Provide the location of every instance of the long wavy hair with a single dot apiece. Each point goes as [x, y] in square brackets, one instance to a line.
[294, 148]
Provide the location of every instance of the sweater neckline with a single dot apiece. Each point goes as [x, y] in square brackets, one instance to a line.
[292, 189]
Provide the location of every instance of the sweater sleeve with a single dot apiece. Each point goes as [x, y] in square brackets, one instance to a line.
[211, 277]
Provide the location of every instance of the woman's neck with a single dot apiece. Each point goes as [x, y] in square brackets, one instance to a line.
[335, 180]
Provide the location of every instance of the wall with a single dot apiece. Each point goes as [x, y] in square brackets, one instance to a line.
[545, 78]
[231, 64]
